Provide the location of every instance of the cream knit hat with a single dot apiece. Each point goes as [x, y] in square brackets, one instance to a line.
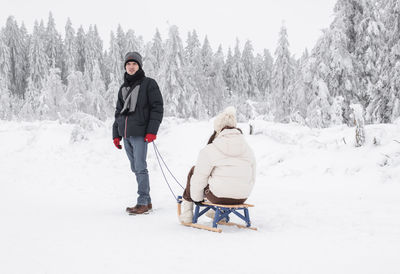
[225, 118]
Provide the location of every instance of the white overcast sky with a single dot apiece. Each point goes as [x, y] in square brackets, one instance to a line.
[222, 20]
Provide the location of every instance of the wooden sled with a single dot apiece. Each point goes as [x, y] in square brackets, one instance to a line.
[221, 216]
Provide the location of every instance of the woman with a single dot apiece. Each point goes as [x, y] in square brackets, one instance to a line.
[225, 168]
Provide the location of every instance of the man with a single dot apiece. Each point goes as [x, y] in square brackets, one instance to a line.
[138, 116]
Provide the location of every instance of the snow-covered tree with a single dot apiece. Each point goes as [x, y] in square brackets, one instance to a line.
[112, 92]
[319, 109]
[358, 117]
[228, 71]
[250, 71]
[52, 100]
[70, 50]
[39, 69]
[132, 42]
[14, 40]
[282, 74]
[219, 92]
[80, 49]
[157, 51]
[76, 92]
[315, 72]
[342, 77]
[5, 109]
[239, 79]
[95, 95]
[53, 43]
[93, 52]
[263, 70]
[122, 42]
[115, 64]
[369, 48]
[173, 82]
[38, 59]
[197, 83]
[392, 14]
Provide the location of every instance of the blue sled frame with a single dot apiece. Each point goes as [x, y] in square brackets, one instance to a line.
[222, 213]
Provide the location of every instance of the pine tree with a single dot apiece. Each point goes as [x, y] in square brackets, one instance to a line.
[218, 94]
[393, 42]
[342, 78]
[228, 72]
[173, 81]
[358, 118]
[53, 44]
[39, 68]
[282, 78]
[52, 102]
[38, 59]
[115, 64]
[369, 46]
[95, 96]
[297, 90]
[208, 92]
[194, 71]
[76, 92]
[112, 92]
[157, 50]
[250, 71]
[319, 109]
[70, 53]
[263, 72]
[239, 78]
[5, 109]
[80, 49]
[132, 43]
[93, 52]
[122, 42]
[315, 75]
[25, 56]
[14, 42]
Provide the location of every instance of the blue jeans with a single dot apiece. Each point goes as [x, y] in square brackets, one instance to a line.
[136, 149]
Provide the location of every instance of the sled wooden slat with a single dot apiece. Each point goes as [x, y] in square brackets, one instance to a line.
[219, 230]
[230, 206]
[237, 225]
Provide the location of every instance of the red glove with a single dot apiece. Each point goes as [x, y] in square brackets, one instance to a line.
[116, 143]
[150, 137]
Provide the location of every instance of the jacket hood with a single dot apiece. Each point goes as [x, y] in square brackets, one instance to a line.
[230, 142]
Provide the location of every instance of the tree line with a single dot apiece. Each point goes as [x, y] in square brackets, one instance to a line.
[356, 61]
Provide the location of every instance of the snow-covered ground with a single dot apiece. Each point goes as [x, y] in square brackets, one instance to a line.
[322, 205]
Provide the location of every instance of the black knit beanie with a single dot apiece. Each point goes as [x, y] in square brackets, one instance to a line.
[134, 57]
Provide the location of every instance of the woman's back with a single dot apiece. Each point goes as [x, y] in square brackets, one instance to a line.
[227, 165]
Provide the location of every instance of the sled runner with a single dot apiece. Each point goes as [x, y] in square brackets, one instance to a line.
[221, 216]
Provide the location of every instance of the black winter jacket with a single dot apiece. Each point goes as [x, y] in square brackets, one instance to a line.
[147, 116]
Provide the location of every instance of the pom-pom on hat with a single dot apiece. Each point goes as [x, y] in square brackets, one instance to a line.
[225, 118]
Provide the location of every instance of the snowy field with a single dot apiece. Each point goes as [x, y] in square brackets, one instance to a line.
[322, 205]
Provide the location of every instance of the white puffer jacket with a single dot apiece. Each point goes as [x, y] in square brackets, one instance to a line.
[227, 165]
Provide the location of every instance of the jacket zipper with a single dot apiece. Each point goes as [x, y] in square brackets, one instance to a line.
[126, 124]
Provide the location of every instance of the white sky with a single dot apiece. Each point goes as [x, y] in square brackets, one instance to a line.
[222, 20]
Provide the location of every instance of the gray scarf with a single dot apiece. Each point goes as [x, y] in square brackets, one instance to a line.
[130, 99]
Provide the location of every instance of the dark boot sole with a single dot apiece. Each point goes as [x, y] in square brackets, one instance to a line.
[144, 213]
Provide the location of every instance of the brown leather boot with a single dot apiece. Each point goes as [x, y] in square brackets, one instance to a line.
[129, 209]
[139, 209]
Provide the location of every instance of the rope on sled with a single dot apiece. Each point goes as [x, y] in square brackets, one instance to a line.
[158, 156]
